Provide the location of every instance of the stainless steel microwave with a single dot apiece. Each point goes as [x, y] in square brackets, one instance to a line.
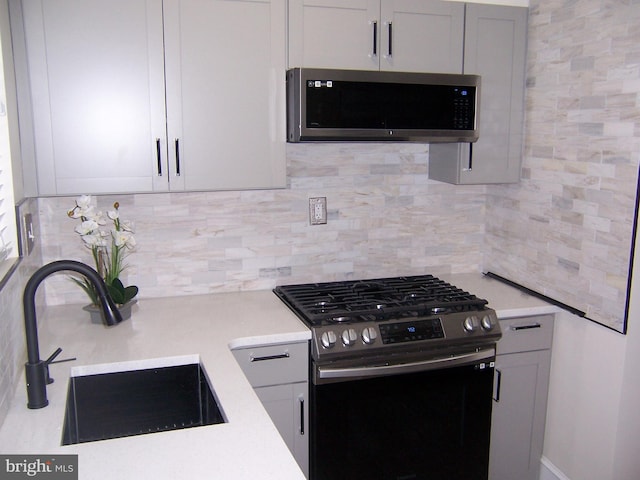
[356, 105]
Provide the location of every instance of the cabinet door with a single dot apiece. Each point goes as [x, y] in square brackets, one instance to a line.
[225, 67]
[401, 35]
[422, 36]
[97, 86]
[334, 34]
[279, 375]
[517, 425]
[288, 408]
[495, 48]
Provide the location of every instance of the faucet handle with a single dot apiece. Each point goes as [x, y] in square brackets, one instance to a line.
[49, 361]
[53, 355]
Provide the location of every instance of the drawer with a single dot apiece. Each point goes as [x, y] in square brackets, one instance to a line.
[526, 334]
[274, 364]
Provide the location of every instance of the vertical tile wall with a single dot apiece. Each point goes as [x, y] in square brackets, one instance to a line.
[566, 229]
[385, 217]
[12, 343]
[12, 339]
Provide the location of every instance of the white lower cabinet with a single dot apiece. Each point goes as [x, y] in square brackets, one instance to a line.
[279, 375]
[520, 398]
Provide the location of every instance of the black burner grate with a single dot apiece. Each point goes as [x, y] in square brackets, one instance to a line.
[376, 299]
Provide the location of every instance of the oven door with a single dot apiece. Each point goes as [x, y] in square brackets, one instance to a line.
[424, 420]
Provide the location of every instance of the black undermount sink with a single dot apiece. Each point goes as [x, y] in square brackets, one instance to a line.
[136, 402]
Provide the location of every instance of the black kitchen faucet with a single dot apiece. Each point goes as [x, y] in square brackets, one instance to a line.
[36, 370]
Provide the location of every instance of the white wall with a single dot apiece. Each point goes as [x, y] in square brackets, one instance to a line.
[584, 394]
[593, 417]
[626, 461]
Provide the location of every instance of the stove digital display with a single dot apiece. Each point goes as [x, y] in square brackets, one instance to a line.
[411, 331]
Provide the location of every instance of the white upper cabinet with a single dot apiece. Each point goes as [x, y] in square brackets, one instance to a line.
[333, 33]
[401, 35]
[422, 36]
[97, 87]
[225, 74]
[495, 49]
[105, 121]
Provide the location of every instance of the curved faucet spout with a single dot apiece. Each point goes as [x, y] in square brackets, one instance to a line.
[36, 369]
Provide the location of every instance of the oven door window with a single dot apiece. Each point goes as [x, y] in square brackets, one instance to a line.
[426, 426]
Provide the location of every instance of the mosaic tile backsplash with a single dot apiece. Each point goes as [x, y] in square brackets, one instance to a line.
[385, 218]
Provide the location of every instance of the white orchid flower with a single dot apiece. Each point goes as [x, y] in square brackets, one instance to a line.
[98, 217]
[87, 227]
[83, 201]
[94, 240]
[126, 226]
[123, 239]
[109, 248]
[83, 206]
[78, 212]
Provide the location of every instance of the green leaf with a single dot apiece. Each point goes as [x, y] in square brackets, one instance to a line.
[130, 292]
[116, 295]
[119, 294]
[116, 283]
[88, 288]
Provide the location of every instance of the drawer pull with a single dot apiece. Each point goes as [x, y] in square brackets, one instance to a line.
[525, 327]
[269, 357]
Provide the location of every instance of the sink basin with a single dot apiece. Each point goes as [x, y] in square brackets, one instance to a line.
[138, 401]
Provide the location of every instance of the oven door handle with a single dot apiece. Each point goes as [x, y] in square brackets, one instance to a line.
[487, 354]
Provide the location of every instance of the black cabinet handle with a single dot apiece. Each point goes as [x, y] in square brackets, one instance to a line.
[159, 156]
[270, 357]
[470, 157]
[525, 327]
[497, 384]
[177, 157]
[301, 402]
[375, 38]
[390, 45]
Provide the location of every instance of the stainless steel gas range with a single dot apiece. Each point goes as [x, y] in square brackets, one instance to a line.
[401, 378]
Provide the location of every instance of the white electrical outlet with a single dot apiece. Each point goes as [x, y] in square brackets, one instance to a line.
[318, 210]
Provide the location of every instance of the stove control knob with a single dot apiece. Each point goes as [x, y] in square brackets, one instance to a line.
[470, 323]
[328, 339]
[486, 323]
[369, 335]
[349, 337]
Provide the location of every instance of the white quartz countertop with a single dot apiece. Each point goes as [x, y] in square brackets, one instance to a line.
[507, 301]
[248, 446]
